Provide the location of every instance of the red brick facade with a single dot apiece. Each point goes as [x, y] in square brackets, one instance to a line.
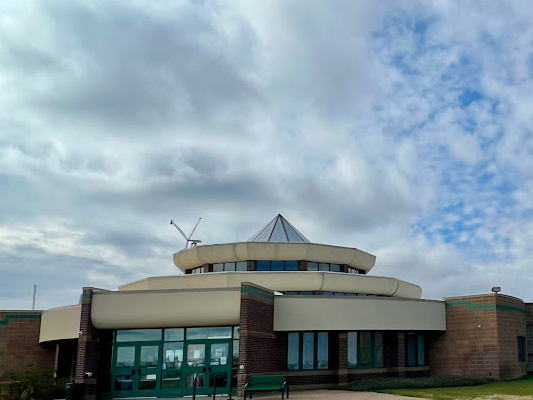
[89, 352]
[480, 338]
[19, 342]
[260, 350]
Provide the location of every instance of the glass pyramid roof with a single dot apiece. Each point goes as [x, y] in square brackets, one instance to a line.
[279, 230]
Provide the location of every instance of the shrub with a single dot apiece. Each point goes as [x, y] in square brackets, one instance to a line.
[414, 383]
[34, 384]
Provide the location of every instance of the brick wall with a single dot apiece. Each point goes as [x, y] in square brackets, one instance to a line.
[511, 324]
[261, 350]
[480, 338]
[529, 332]
[88, 358]
[19, 342]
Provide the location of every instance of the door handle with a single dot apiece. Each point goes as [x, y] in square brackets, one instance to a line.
[209, 369]
[133, 371]
[203, 369]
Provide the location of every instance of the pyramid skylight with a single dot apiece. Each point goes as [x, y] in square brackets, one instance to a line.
[279, 230]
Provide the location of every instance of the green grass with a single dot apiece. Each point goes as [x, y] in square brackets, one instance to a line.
[495, 390]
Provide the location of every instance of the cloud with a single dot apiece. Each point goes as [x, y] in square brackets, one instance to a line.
[400, 129]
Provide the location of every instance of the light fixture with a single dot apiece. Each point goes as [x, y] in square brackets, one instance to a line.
[496, 289]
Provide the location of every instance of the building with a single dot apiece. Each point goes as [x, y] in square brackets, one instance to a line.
[276, 303]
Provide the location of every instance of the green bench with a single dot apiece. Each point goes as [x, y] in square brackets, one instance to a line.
[263, 383]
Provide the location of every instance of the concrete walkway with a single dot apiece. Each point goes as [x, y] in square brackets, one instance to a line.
[334, 395]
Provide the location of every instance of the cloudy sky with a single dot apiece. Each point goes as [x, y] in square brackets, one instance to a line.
[400, 128]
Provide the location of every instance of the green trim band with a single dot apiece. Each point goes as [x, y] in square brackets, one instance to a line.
[256, 292]
[9, 317]
[88, 295]
[471, 307]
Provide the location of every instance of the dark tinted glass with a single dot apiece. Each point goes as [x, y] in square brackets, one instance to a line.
[229, 266]
[263, 266]
[323, 267]
[291, 265]
[335, 268]
[218, 267]
[277, 265]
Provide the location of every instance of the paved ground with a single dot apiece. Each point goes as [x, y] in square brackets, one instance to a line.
[333, 395]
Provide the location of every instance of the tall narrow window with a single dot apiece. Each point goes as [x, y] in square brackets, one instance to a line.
[411, 349]
[352, 349]
[366, 348]
[293, 351]
[521, 341]
[378, 349]
[421, 354]
[308, 350]
[322, 350]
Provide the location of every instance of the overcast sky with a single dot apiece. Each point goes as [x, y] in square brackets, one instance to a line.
[400, 128]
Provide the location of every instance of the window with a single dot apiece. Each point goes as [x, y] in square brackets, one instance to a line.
[139, 335]
[293, 351]
[277, 266]
[314, 266]
[307, 351]
[415, 352]
[197, 270]
[352, 349]
[219, 332]
[231, 266]
[521, 341]
[354, 271]
[365, 349]
[301, 292]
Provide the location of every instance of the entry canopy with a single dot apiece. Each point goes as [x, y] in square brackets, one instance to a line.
[279, 230]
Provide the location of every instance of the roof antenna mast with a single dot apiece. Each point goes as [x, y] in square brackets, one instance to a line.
[188, 239]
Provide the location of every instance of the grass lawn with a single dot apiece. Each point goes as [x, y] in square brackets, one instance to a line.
[518, 389]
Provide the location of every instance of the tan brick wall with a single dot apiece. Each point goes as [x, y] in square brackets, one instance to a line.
[19, 342]
[480, 338]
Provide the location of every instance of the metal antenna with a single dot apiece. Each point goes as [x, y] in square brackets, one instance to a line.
[188, 239]
[34, 295]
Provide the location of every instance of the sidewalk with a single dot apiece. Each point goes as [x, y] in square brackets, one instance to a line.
[334, 395]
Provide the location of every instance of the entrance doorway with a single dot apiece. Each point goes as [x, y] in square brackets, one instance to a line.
[136, 369]
[208, 362]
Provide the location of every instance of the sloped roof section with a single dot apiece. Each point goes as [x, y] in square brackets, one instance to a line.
[279, 230]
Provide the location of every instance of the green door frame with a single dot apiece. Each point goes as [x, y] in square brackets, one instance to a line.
[205, 370]
[128, 379]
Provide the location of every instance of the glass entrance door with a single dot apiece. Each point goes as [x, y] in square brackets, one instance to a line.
[209, 362]
[136, 369]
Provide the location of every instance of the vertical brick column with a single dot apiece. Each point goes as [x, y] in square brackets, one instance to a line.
[87, 362]
[400, 352]
[343, 358]
[261, 350]
[529, 333]
[511, 318]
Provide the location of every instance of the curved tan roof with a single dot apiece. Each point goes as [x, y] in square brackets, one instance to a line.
[284, 281]
[243, 251]
[60, 323]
